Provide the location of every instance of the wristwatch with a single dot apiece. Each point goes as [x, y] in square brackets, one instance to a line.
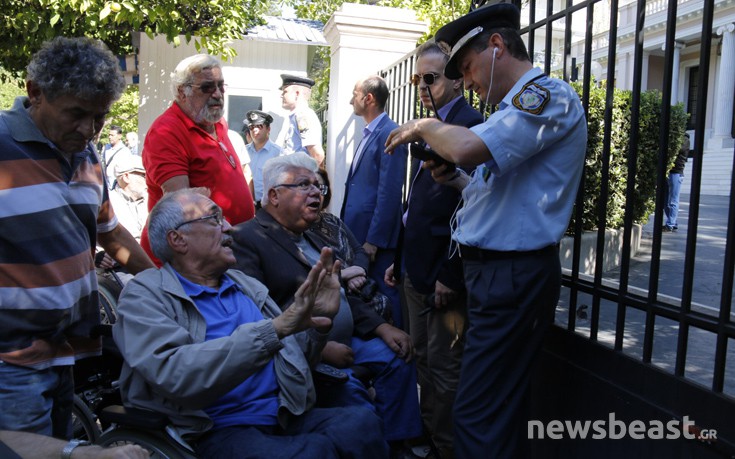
[66, 452]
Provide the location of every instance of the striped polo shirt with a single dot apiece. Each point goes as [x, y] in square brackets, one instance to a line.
[50, 214]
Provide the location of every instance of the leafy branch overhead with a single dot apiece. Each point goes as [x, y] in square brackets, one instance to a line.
[212, 24]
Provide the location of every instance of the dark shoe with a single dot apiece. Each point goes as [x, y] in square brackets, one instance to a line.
[675, 228]
[667, 229]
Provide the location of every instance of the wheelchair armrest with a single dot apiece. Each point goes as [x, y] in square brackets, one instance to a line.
[134, 417]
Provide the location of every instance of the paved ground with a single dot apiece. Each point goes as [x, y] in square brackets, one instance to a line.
[706, 294]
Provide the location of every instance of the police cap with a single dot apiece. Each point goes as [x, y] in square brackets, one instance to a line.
[458, 33]
[256, 117]
[289, 80]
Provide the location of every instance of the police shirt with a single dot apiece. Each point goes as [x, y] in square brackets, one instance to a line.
[304, 130]
[522, 198]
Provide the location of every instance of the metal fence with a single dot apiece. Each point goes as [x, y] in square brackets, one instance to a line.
[666, 302]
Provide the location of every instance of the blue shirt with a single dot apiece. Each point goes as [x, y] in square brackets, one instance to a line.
[255, 400]
[522, 198]
[444, 111]
[366, 132]
[257, 160]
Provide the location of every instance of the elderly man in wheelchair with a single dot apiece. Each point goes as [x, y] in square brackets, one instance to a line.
[206, 346]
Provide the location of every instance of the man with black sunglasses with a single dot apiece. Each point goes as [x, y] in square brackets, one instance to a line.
[189, 146]
[430, 274]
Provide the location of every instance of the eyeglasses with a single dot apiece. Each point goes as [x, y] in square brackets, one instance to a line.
[305, 187]
[210, 87]
[217, 217]
[429, 78]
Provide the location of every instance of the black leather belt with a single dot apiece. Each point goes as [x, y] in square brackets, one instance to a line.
[476, 254]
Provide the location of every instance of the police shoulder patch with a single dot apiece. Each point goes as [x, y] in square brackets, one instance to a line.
[302, 121]
[532, 98]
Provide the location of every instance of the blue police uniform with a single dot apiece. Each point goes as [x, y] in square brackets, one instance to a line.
[257, 161]
[516, 209]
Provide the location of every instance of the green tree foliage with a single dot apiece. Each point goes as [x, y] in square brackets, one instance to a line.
[211, 24]
[124, 112]
[647, 155]
[9, 90]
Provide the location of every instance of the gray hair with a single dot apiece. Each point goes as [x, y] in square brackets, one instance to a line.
[165, 215]
[276, 169]
[431, 47]
[80, 67]
[183, 74]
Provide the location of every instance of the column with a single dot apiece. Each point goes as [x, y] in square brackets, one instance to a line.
[725, 89]
[678, 46]
[363, 40]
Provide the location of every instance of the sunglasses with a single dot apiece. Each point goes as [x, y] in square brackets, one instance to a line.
[210, 87]
[429, 78]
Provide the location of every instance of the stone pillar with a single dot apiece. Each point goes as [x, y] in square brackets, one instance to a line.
[644, 70]
[725, 90]
[678, 46]
[363, 40]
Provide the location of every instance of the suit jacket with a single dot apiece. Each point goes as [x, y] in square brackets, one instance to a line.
[427, 234]
[373, 201]
[265, 251]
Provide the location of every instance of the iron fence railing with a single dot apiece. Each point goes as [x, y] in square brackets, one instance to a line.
[643, 297]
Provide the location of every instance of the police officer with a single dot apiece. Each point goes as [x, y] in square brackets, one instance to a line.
[261, 149]
[529, 156]
[304, 132]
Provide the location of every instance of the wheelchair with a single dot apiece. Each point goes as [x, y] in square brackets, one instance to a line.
[98, 415]
[144, 428]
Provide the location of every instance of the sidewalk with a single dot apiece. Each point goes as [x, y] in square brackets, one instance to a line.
[706, 294]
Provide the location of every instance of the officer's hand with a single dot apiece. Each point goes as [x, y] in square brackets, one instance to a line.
[338, 355]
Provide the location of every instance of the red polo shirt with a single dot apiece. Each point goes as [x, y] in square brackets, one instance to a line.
[175, 145]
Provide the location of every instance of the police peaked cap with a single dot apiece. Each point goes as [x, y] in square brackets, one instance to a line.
[289, 80]
[458, 33]
[256, 117]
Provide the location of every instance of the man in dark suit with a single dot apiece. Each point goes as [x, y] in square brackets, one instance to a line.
[276, 248]
[430, 273]
[372, 203]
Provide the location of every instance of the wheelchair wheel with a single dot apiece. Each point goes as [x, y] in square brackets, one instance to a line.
[109, 292]
[84, 423]
[156, 445]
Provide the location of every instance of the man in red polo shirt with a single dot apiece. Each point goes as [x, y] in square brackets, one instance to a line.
[188, 146]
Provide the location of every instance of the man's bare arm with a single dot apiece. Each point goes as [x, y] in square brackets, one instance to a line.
[316, 152]
[122, 246]
[175, 183]
[454, 143]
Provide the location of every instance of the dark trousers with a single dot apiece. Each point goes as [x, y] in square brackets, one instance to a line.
[320, 433]
[511, 303]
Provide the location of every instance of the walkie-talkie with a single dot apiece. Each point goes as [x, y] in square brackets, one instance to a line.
[424, 153]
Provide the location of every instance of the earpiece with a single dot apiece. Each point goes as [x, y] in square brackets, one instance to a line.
[495, 51]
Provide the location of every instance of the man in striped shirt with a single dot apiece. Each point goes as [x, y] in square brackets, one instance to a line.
[54, 209]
